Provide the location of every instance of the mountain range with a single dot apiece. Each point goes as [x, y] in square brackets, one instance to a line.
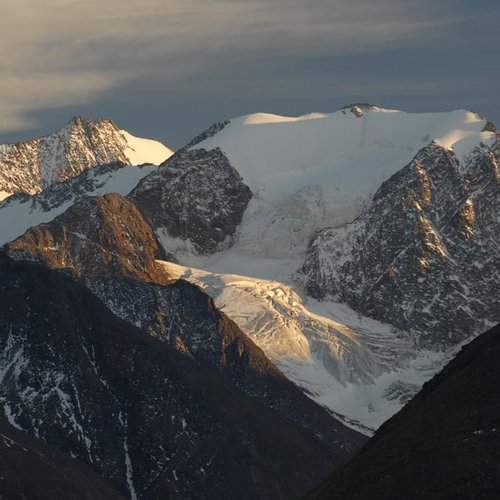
[235, 322]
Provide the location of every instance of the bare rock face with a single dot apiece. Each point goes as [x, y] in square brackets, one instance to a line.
[424, 256]
[195, 196]
[97, 236]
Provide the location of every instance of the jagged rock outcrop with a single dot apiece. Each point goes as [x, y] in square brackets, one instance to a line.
[101, 236]
[196, 196]
[31, 166]
[206, 134]
[443, 445]
[152, 422]
[424, 256]
[187, 319]
[358, 109]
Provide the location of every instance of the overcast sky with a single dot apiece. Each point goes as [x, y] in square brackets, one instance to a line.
[167, 69]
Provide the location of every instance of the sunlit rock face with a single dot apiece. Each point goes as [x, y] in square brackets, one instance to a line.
[424, 255]
[31, 166]
[97, 236]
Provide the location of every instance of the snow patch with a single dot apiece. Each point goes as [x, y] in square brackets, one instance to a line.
[140, 150]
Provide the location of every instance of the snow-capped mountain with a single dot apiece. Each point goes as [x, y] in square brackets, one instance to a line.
[31, 166]
[325, 171]
[239, 206]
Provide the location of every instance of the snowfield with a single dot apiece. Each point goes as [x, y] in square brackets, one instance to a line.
[139, 150]
[327, 166]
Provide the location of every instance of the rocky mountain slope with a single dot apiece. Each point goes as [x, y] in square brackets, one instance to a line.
[424, 256]
[152, 422]
[197, 197]
[31, 166]
[33, 469]
[444, 444]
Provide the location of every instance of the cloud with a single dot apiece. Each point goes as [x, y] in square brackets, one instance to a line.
[62, 52]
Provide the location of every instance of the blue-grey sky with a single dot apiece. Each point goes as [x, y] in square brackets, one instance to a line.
[167, 69]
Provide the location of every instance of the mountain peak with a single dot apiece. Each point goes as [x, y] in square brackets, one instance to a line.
[31, 166]
[85, 121]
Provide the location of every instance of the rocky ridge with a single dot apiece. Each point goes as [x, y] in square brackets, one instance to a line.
[102, 236]
[22, 211]
[187, 319]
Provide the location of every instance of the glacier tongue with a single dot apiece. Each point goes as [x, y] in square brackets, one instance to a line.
[360, 369]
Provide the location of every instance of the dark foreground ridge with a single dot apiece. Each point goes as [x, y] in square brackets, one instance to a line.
[445, 444]
[149, 420]
[186, 318]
